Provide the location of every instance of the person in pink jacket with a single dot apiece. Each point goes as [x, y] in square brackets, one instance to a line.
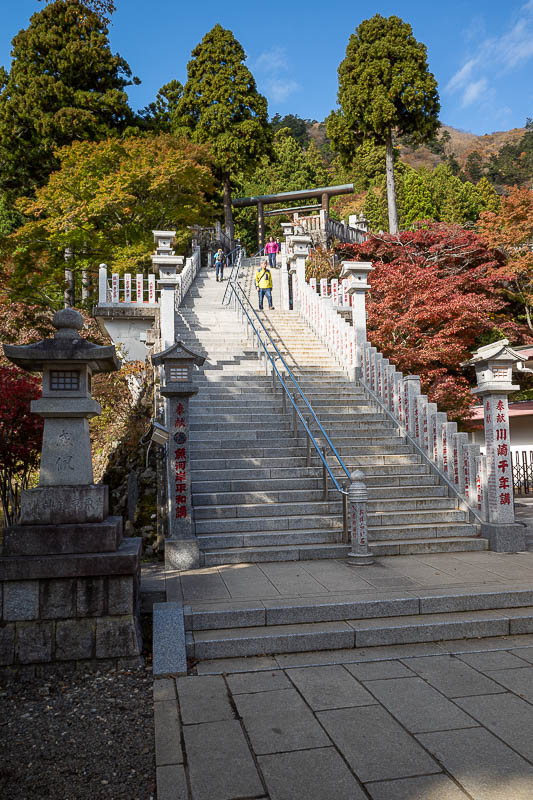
[271, 250]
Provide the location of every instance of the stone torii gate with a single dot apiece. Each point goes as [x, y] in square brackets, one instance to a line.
[324, 193]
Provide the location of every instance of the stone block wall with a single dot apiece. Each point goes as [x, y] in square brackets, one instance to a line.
[73, 620]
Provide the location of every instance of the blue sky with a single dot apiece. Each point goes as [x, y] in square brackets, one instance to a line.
[480, 52]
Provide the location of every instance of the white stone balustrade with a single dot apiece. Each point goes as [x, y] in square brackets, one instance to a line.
[485, 485]
[119, 289]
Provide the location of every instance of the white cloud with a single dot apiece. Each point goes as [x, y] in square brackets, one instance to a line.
[473, 91]
[271, 68]
[494, 56]
[273, 60]
[279, 89]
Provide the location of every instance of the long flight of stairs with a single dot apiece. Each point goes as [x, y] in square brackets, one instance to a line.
[255, 499]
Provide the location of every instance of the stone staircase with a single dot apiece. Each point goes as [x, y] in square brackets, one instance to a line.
[255, 498]
[274, 582]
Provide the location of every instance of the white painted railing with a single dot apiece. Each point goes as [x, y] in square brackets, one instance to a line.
[317, 223]
[142, 289]
[138, 289]
[320, 312]
[460, 464]
[187, 276]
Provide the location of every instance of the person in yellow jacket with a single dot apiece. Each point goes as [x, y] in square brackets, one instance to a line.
[263, 283]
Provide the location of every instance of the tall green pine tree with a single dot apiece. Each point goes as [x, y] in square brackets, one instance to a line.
[385, 89]
[221, 106]
[65, 84]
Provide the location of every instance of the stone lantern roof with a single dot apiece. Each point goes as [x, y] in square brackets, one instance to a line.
[177, 351]
[496, 351]
[67, 345]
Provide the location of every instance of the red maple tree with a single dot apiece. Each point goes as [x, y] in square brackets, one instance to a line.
[435, 296]
[20, 436]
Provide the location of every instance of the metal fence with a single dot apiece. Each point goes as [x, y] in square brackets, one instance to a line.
[522, 471]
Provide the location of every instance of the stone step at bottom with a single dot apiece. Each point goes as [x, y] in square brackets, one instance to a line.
[356, 633]
[342, 606]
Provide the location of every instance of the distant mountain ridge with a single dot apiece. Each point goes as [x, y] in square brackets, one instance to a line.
[461, 144]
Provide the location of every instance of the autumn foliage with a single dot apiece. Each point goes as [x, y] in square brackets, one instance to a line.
[20, 436]
[510, 230]
[435, 296]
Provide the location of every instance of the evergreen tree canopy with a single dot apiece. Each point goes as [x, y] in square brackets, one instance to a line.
[385, 87]
[158, 115]
[221, 106]
[65, 84]
[104, 8]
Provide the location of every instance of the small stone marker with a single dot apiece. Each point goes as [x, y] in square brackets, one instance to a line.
[357, 500]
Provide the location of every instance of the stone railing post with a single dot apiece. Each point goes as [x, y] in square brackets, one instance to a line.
[359, 555]
[493, 364]
[459, 442]
[356, 273]
[102, 284]
[412, 392]
[301, 245]
[167, 263]
[430, 410]
[449, 430]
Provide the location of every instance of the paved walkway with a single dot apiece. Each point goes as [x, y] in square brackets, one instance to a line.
[412, 728]
[402, 575]
[439, 721]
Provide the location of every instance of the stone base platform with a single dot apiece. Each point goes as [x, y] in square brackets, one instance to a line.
[74, 607]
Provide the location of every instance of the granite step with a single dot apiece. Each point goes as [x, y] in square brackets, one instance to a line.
[274, 523]
[304, 494]
[208, 488]
[254, 555]
[356, 633]
[246, 613]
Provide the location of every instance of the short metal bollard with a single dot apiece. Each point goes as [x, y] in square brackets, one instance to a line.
[359, 555]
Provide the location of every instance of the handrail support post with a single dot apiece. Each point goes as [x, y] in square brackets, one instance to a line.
[308, 452]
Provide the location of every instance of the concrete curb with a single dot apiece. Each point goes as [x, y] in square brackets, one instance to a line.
[169, 640]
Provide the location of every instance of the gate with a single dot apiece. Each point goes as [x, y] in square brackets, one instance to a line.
[522, 471]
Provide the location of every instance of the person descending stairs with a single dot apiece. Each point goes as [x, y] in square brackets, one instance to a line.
[255, 496]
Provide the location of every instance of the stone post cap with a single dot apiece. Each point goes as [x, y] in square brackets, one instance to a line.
[357, 491]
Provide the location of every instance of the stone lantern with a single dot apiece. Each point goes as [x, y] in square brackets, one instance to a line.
[176, 363]
[493, 365]
[357, 272]
[67, 363]
[70, 582]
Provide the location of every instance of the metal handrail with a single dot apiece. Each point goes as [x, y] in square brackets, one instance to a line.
[296, 410]
[236, 263]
